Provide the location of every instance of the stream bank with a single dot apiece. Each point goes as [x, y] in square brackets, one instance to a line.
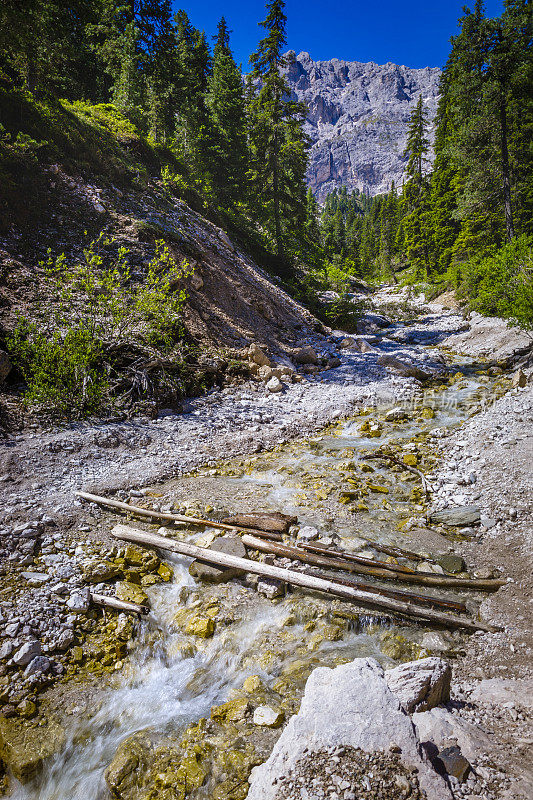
[234, 486]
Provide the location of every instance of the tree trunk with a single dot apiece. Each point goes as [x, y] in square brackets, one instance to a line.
[506, 171]
[298, 579]
[277, 221]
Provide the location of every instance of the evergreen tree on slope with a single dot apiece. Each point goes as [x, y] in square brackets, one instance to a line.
[226, 104]
[277, 139]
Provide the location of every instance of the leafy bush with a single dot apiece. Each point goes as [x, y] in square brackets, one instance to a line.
[500, 283]
[98, 306]
[63, 370]
[343, 313]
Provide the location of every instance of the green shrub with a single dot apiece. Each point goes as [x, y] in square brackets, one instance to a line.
[65, 360]
[343, 313]
[500, 283]
[61, 370]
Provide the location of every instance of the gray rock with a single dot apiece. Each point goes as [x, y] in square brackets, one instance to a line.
[12, 629]
[6, 648]
[36, 665]
[27, 653]
[307, 533]
[451, 563]
[274, 385]
[358, 117]
[306, 355]
[271, 587]
[232, 545]
[519, 379]
[65, 640]
[396, 414]
[350, 705]
[421, 685]
[268, 717]
[457, 516]
[79, 601]
[440, 727]
[258, 356]
[403, 368]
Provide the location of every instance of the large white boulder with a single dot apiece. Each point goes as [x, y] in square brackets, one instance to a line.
[421, 685]
[352, 706]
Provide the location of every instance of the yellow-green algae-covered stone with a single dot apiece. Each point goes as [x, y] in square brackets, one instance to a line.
[232, 711]
[399, 648]
[165, 572]
[252, 684]
[131, 593]
[201, 625]
[374, 487]
[24, 745]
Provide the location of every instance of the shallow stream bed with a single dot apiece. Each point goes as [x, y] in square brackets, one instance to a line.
[257, 651]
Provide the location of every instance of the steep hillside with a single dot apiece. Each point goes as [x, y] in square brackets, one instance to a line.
[72, 173]
[358, 118]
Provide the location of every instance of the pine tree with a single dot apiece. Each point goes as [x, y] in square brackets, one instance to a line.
[444, 227]
[278, 142]
[487, 72]
[225, 99]
[195, 128]
[388, 223]
[415, 195]
[312, 226]
[129, 86]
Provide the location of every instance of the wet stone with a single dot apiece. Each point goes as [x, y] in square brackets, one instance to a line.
[231, 545]
[24, 745]
[451, 563]
[271, 588]
[458, 516]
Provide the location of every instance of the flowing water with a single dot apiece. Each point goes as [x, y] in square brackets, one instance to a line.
[164, 686]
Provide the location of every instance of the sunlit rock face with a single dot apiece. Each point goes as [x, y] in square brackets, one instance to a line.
[358, 115]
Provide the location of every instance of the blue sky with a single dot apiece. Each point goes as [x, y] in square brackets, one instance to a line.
[410, 32]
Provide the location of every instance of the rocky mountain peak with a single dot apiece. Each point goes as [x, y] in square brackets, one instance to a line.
[358, 115]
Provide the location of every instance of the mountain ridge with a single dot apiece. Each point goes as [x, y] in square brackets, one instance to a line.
[358, 118]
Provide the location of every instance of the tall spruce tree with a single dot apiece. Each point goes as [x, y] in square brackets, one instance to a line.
[195, 128]
[225, 99]
[415, 194]
[444, 226]
[277, 139]
[487, 74]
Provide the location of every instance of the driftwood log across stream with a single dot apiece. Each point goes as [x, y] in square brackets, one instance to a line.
[355, 564]
[367, 599]
[336, 559]
[167, 517]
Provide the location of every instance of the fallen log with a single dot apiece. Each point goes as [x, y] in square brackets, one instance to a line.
[120, 605]
[385, 573]
[329, 587]
[393, 550]
[369, 562]
[270, 521]
[398, 594]
[331, 563]
[397, 461]
[167, 517]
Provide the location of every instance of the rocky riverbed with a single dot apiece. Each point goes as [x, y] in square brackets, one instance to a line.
[71, 674]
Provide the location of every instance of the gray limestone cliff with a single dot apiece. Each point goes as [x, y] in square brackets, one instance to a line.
[358, 115]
